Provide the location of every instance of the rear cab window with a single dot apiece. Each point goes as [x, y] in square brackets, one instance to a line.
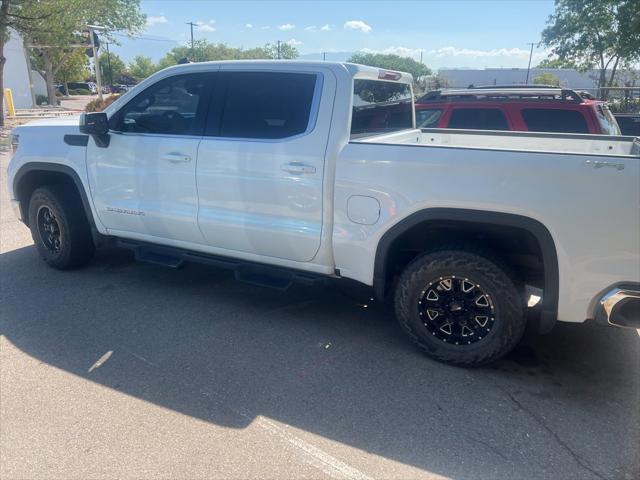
[554, 120]
[380, 107]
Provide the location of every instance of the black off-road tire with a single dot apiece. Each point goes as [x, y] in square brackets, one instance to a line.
[74, 240]
[507, 303]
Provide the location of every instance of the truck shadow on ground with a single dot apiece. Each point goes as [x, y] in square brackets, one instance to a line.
[327, 361]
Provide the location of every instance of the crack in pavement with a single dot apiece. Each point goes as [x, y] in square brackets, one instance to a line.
[583, 463]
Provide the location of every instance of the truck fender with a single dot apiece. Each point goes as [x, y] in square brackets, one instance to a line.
[549, 309]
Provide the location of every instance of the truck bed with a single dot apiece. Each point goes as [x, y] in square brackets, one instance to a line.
[579, 144]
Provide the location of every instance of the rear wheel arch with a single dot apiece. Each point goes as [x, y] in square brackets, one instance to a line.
[528, 230]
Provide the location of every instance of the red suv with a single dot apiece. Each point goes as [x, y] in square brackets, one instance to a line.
[522, 108]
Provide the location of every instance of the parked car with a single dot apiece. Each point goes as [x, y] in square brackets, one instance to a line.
[629, 123]
[90, 86]
[518, 108]
[303, 171]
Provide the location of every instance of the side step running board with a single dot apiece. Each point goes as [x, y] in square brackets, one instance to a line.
[249, 272]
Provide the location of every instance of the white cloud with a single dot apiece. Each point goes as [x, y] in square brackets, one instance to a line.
[248, 25]
[155, 20]
[401, 51]
[265, 27]
[496, 52]
[314, 28]
[206, 26]
[286, 26]
[293, 42]
[357, 25]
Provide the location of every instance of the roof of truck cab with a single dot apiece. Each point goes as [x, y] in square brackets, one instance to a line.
[355, 69]
[352, 69]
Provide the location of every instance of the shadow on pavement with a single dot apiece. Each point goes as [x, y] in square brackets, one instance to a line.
[198, 342]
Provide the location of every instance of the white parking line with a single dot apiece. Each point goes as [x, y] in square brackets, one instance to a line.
[323, 460]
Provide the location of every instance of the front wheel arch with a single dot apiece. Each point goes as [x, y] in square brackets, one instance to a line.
[34, 175]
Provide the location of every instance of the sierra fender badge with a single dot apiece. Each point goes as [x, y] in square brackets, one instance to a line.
[125, 211]
[599, 164]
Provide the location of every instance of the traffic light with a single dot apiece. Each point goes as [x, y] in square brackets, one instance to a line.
[96, 41]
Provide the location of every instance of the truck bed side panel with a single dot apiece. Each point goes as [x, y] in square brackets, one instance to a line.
[593, 214]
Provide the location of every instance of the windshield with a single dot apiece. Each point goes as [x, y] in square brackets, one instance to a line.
[607, 121]
[380, 107]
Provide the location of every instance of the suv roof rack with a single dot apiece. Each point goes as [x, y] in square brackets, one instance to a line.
[512, 85]
[545, 92]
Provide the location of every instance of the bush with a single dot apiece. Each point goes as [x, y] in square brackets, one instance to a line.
[79, 91]
[98, 105]
[42, 99]
[628, 105]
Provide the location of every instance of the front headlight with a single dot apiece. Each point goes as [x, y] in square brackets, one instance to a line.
[15, 139]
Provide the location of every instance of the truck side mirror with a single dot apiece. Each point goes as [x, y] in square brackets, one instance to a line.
[96, 124]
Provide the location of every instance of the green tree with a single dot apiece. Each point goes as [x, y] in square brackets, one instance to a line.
[53, 28]
[547, 79]
[395, 62]
[113, 74]
[270, 50]
[141, 67]
[555, 63]
[204, 51]
[600, 34]
[435, 82]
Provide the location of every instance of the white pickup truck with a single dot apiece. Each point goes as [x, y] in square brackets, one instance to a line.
[291, 171]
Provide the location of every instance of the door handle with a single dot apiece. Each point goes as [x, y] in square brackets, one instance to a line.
[177, 157]
[298, 168]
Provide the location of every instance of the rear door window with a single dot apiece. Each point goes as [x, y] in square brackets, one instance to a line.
[267, 105]
[554, 120]
[478, 119]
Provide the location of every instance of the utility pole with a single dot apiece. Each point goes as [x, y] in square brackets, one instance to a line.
[191, 24]
[109, 63]
[279, 50]
[529, 67]
[324, 56]
[420, 56]
[96, 62]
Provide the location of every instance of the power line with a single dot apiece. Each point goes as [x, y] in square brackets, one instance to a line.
[140, 37]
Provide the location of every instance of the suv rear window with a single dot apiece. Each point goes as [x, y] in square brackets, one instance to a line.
[607, 121]
[478, 119]
[428, 118]
[380, 107]
[554, 120]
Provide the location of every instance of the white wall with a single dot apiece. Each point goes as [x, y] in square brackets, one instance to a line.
[38, 85]
[16, 73]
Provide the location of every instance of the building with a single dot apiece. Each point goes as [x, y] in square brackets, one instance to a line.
[569, 78]
[25, 84]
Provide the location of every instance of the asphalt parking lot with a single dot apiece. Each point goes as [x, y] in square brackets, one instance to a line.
[128, 370]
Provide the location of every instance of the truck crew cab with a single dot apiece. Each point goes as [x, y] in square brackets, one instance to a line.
[305, 170]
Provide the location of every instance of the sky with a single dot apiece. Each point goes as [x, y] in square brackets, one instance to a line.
[449, 34]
